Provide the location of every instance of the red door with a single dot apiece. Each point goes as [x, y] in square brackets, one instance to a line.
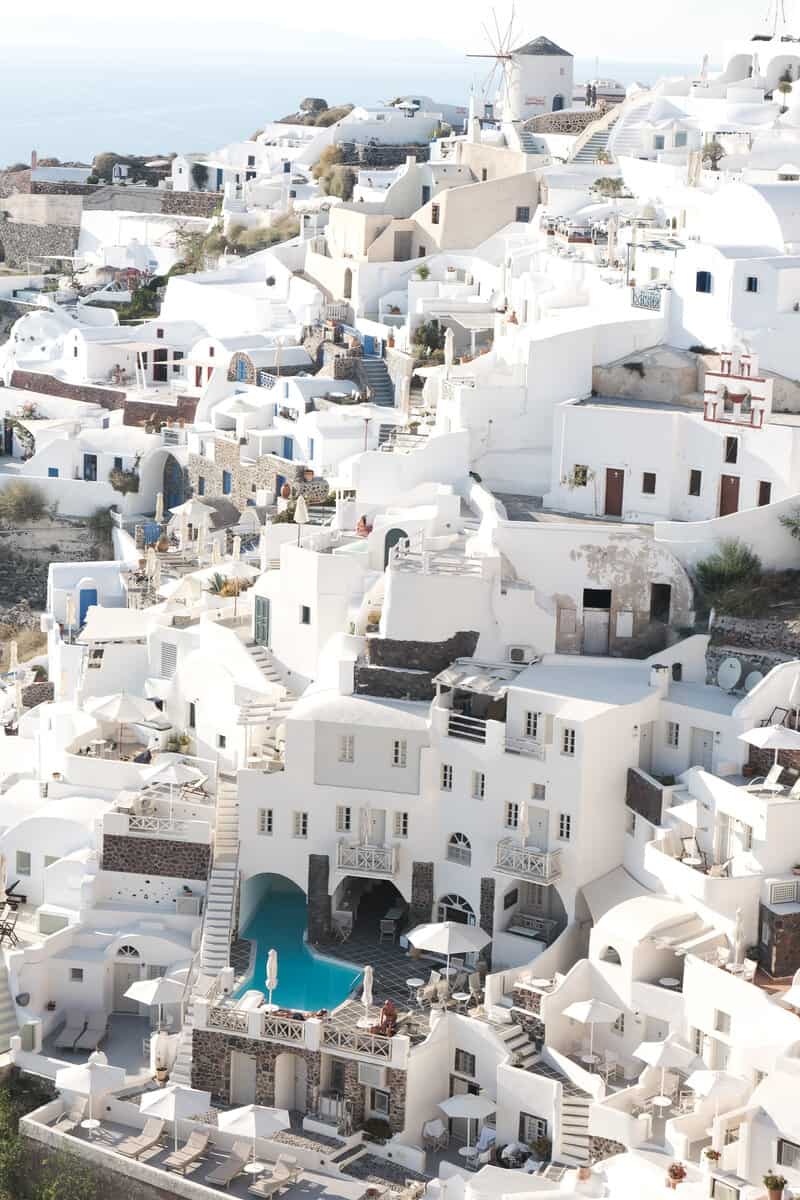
[198, 377]
[615, 483]
[728, 495]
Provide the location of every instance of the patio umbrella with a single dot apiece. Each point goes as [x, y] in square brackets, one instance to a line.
[183, 530]
[194, 510]
[3, 877]
[236, 548]
[159, 513]
[157, 575]
[468, 1108]
[366, 997]
[449, 350]
[160, 991]
[272, 975]
[254, 1121]
[123, 709]
[216, 555]
[712, 1085]
[738, 938]
[150, 562]
[772, 737]
[365, 822]
[202, 535]
[175, 1103]
[300, 515]
[13, 655]
[92, 1079]
[669, 1053]
[176, 774]
[524, 822]
[591, 1013]
[449, 937]
[70, 614]
[263, 548]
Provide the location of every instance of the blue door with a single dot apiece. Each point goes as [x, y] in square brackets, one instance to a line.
[226, 483]
[261, 625]
[88, 597]
[241, 370]
[172, 483]
[280, 480]
[288, 448]
[369, 344]
[152, 533]
[219, 179]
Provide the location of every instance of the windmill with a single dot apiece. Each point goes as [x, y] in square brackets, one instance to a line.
[500, 43]
[776, 16]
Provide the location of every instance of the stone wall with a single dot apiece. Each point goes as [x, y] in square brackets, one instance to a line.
[355, 154]
[487, 913]
[600, 1148]
[394, 683]
[421, 906]
[211, 1065]
[564, 122]
[37, 693]
[779, 955]
[421, 656]
[190, 204]
[26, 553]
[155, 856]
[43, 187]
[644, 795]
[149, 412]
[247, 479]
[20, 242]
[319, 900]
[138, 413]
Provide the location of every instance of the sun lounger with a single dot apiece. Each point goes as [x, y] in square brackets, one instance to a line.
[283, 1176]
[231, 1167]
[72, 1118]
[76, 1023]
[94, 1033]
[150, 1136]
[188, 1154]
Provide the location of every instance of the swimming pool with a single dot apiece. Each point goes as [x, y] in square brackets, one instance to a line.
[305, 980]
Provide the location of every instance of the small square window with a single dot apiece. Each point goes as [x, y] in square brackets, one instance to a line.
[464, 1062]
[347, 745]
[300, 824]
[23, 862]
[512, 814]
[695, 482]
[399, 752]
[751, 284]
[344, 818]
[564, 826]
[222, 741]
[305, 614]
[523, 215]
[446, 779]
[478, 785]
[764, 493]
[580, 475]
[76, 974]
[539, 791]
[673, 735]
[265, 822]
[649, 483]
[435, 214]
[532, 724]
[568, 741]
[379, 1101]
[401, 824]
[159, 333]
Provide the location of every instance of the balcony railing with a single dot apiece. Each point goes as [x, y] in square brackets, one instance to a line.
[282, 1029]
[156, 825]
[473, 729]
[234, 1020]
[543, 866]
[374, 860]
[356, 1041]
[531, 925]
[525, 745]
[649, 298]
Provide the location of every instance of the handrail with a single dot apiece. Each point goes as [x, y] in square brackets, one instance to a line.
[603, 122]
[357, 1041]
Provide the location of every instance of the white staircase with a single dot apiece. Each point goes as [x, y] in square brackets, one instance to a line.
[518, 1043]
[574, 1140]
[626, 135]
[8, 1017]
[597, 144]
[266, 712]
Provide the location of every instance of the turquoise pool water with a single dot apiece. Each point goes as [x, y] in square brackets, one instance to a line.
[305, 981]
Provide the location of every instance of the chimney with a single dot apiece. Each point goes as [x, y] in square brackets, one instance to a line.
[659, 678]
[34, 160]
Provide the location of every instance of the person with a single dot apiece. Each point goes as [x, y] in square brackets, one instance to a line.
[388, 1018]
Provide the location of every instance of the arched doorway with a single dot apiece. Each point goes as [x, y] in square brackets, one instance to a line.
[87, 598]
[127, 970]
[558, 102]
[172, 482]
[455, 908]
[291, 1082]
[348, 284]
[392, 538]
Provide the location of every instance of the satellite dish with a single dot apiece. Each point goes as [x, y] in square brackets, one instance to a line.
[729, 674]
[752, 679]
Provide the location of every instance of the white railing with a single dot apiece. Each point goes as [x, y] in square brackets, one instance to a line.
[471, 728]
[525, 745]
[356, 1041]
[459, 854]
[156, 825]
[527, 862]
[282, 1029]
[234, 1020]
[377, 860]
[542, 926]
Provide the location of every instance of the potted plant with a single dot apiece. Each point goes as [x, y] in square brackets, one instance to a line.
[711, 1157]
[774, 1184]
[584, 1173]
[676, 1173]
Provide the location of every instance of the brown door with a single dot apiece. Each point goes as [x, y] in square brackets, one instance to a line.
[728, 495]
[615, 481]
[198, 377]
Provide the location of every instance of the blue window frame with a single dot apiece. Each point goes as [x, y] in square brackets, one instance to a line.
[117, 464]
[704, 282]
[201, 485]
[288, 448]
[311, 449]
[226, 483]
[52, 472]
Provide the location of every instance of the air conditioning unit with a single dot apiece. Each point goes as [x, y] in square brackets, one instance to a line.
[187, 906]
[371, 1076]
[521, 654]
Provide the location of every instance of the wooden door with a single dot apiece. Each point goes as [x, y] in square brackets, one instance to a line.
[124, 975]
[728, 495]
[615, 483]
[596, 626]
[243, 1078]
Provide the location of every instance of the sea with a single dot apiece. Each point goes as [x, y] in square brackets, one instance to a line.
[73, 105]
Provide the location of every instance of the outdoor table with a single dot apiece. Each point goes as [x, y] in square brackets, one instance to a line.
[590, 1059]
[461, 999]
[90, 1124]
[254, 1168]
[413, 986]
[661, 1102]
[669, 981]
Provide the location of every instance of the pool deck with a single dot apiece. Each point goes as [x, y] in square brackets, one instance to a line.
[391, 963]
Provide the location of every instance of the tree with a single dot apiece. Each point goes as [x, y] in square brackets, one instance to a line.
[200, 176]
[713, 153]
[21, 501]
[609, 186]
[726, 572]
[313, 104]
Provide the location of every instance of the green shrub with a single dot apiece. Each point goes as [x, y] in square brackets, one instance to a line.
[731, 568]
[125, 482]
[199, 175]
[22, 501]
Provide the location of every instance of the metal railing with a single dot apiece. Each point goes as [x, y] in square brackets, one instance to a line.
[649, 298]
[473, 729]
[377, 860]
[356, 1041]
[541, 926]
[525, 745]
[527, 862]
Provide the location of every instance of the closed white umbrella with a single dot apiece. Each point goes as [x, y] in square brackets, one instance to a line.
[202, 536]
[159, 513]
[71, 614]
[449, 350]
[794, 696]
[160, 991]
[13, 655]
[150, 562]
[713, 1085]
[272, 975]
[669, 1053]
[772, 737]
[236, 548]
[300, 515]
[183, 530]
[365, 820]
[263, 549]
[524, 823]
[469, 1108]
[738, 938]
[3, 877]
[157, 575]
[449, 937]
[92, 1079]
[175, 1103]
[591, 1013]
[216, 555]
[366, 997]
[254, 1121]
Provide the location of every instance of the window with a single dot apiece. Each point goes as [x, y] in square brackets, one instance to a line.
[347, 747]
[76, 974]
[649, 483]
[788, 1154]
[484, 177]
[459, 849]
[478, 785]
[49, 859]
[446, 778]
[435, 214]
[720, 1190]
[159, 333]
[305, 614]
[619, 1025]
[201, 485]
[539, 791]
[379, 1101]
[264, 822]
[532, 724]
[680, 140]
[344, 818]
[658, 141]
[399, 752]
[300, 824]
[117, 463]
[764, 493]
[531, 1128]
[169, 659]
[23, 862]
[568, 741]
[52, 472]
[722, 1021]
[251, 160]
[731, 449]
[464, 1062]
[401, 824]
[523, 214]
[751, 283]
[630, 822]
[695, 482]
[222, 741]
[191, 718]
[226, 483]
[310, 449]
[704, 282]
[512, 814]
[564, 826]
[698, 1038]
[673, 734]
[211, 351]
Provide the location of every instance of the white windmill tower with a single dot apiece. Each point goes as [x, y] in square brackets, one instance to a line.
[501, 97]
[776, 18]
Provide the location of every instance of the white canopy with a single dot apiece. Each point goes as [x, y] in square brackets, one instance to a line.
[592, 1012]
[175, 1103]
[254, 1121]
[449, 937]
[194, 509]
[93, 1079]
[771, 737]
[671, 1052]
[473, 1108]
[176, 774]
[122, 709]
[161, 990]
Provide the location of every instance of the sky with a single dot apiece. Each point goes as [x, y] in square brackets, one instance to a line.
[680, 30]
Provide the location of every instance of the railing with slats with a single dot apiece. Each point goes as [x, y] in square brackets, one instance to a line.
[356, 1041]
[527, 862]
[378, 860]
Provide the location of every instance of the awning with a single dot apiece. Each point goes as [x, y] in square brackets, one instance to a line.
[115, 625]
[609, 890]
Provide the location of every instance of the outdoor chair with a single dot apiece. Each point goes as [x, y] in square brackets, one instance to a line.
[435, 1135]
[772, 778]
[72, 1118]
[231, 1167]
[479, 1159]
[475, 987]
[749, 968]
[66, 1039]
[283, 1176]
[443, 991]
[8, 927]
[388, 931]
[188, 1154]
[94, 1033]
[426, 995]
[150, 1136]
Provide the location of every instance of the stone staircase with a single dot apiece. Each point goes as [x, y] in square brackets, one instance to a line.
[518, 1043]
[379, 381]
[8, 1017]
[597, 144]
[626, 135]
[266, 712]
[384, 433]
[575, 1142]
[527, 141]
